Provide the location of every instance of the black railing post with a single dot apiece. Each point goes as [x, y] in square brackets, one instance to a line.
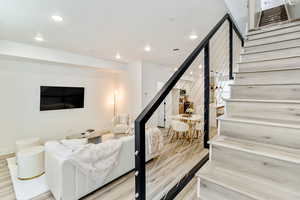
[230, 50]
[206, 95]
[140, 161]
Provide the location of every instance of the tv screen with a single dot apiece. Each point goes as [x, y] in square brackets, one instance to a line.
[57, 98]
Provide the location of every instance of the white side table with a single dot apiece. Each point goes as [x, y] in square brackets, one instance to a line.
[31, 163]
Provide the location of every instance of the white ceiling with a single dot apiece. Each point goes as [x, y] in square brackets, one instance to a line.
[101, 28]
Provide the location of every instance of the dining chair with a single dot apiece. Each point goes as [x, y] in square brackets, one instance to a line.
[198, 130]
[178, 127]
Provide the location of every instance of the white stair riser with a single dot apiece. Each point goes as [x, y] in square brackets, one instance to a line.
[274, 33]
[270, 169]
[269, 77]
[282, 136]
[286, 63]
[272, 39]
[272, 46]
[266, 92]
[211, 191]
[282, 53]
[262, 110]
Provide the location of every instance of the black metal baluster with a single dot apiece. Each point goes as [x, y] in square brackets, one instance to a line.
[206, 95]
[230, 50]
[140, 161]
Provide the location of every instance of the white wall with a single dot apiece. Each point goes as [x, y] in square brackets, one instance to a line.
[140, 83]
[239, 11]
[20, 117]
[153, 73]
[130, 87]
[294, 9]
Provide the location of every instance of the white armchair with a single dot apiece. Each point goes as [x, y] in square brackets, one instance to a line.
[121, 123]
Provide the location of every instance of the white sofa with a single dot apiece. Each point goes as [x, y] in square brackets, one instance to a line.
[67, 182]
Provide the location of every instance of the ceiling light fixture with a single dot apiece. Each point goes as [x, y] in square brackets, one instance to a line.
[193, 36]
[191, 73]
[118, 56]
[200, 66]
[39, 38]
[57, 18]
[147, 48]
[175, 69]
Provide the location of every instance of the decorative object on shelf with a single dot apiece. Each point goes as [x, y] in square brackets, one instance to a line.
[189, 111]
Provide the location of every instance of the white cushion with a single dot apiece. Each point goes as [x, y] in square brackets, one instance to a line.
[74, 143]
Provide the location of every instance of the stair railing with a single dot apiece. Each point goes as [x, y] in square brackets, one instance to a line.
[140, 122]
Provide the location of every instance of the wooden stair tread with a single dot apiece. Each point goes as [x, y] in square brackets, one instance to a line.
[266, 51]
[263, 101]
[270, 59]
[272, 28]
[245, 184]
[270, 70]
[268, 43]
[267, 150]
[268, 122]
[263, 84]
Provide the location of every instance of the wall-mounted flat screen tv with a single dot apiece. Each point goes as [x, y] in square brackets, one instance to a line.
[57, 98]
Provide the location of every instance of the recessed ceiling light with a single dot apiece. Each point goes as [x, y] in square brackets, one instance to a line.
[191, 73]
[175, 69]
[147, 48]
[118, 56]
[200, 66]
[57, 18]
[39, 38]
[193, 36]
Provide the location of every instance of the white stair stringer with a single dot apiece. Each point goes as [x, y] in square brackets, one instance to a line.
[256, 154]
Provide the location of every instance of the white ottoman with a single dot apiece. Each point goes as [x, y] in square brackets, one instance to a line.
[26, 143]
[31, 163]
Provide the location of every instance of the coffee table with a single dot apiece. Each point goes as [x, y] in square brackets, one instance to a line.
[94, 137]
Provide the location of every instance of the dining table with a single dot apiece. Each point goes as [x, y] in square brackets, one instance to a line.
[191, 120]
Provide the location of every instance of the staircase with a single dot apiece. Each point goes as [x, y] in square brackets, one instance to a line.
[256, 155]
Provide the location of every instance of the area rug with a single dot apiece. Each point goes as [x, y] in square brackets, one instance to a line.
[26, 190]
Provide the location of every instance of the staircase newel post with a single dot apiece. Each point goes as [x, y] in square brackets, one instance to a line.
[140, 160]
[230, 50]
[206, 95]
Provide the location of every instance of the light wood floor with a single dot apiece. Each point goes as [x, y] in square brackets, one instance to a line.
[163, 173]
